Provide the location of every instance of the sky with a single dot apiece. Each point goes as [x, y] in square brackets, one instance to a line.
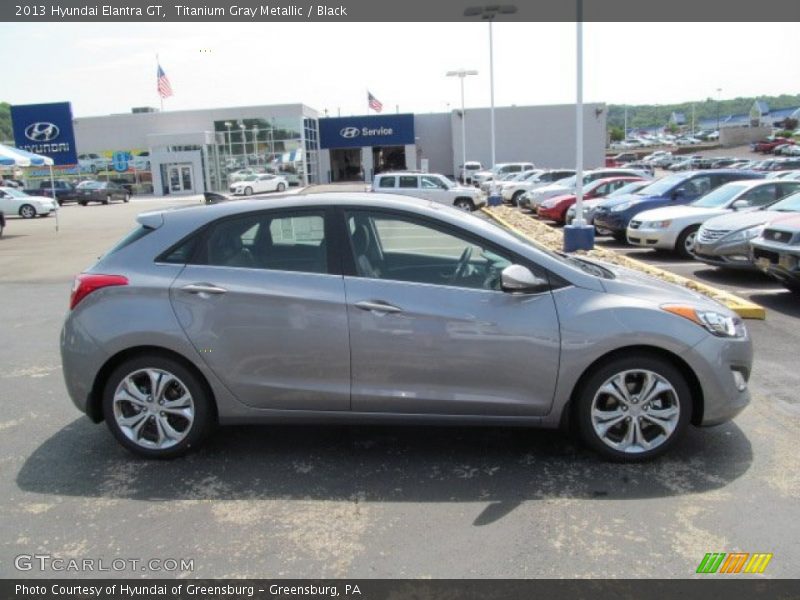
[105, 68]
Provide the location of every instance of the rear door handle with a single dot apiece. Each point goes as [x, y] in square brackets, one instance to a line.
[203, 288]
[378, 306]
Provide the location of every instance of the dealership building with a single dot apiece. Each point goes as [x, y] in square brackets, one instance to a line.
[192, 151]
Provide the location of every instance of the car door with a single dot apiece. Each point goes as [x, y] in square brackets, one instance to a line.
[432, 188]
[408, 185]
[262, 301]
[430, 330]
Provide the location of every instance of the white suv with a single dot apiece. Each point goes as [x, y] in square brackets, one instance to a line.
[429, 186]
[499, 170]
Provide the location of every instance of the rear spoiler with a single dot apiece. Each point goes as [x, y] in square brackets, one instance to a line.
[151, 220]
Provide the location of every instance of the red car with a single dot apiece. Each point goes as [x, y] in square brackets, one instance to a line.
[766, 146]
[555, 209]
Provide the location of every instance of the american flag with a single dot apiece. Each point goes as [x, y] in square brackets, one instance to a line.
[373, 102]
[164, 87]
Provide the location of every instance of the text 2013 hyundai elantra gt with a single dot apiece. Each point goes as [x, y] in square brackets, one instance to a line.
[365, 308]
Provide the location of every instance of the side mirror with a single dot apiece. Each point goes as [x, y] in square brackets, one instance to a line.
[740, 204]
[519, 279]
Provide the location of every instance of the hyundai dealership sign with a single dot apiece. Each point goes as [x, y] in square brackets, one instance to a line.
[373, 130]
[45, 129]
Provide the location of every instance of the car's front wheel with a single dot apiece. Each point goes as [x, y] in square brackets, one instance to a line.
[156, 407]
[632, 409]
[126, 198]
[685, 244]
[248, 191]
[107, 200]
[464, 204]
[26, 211]
[515, 198]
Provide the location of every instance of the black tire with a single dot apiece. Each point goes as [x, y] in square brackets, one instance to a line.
[26, 211]
[591, 385]
[620, 236]
[792, 286]
[107, 199]
[204, 413]
[126, 198]
[464, 204]
[686, 242]
[248, 191]
[281, 187]
[516, 196]
[82, 202]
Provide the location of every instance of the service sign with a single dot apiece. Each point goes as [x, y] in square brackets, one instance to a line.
[45, 129]
[372, 130]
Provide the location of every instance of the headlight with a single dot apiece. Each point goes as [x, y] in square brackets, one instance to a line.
[656, 224]
[719, 324]
[745, 234]
[621, 207]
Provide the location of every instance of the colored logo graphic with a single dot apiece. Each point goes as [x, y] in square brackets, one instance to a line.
[41, 132]
[349, 132]
[734, 562]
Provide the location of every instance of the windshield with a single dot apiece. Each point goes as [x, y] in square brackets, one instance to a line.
[15, 193]
[631, 188]
[662, 186]
[720, 196]
[788, 204]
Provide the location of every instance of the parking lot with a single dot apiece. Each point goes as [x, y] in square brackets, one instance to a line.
[377, 501]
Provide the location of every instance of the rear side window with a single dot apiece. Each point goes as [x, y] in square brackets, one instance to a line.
[386, 182]
[408, 181]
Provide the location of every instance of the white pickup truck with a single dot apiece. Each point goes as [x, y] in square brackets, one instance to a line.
[429, 186]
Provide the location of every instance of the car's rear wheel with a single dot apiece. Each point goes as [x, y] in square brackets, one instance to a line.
[464, 204]
[126, 198]
[685, 244]
[632, 409]
[107, 200]
[26, 211]
[281, 187]
[156, 407]
[82, 202]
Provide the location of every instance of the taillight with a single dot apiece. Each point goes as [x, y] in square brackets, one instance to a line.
[86, 283]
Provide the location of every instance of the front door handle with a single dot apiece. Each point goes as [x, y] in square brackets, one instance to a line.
[203, 288]
[378, 306]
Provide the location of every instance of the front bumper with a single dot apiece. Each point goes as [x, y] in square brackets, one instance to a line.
[651, 238]
[715, 361]
[610, 221]
[777, 260]
[733, 255]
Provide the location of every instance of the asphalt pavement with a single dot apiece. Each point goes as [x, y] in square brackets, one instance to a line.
[375, 501]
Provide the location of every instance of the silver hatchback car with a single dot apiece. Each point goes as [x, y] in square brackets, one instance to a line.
[369, 308]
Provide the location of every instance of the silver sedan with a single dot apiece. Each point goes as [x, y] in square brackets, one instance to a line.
[363, 308]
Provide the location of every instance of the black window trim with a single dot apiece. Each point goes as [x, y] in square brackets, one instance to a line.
[198, 256]
[347, 252]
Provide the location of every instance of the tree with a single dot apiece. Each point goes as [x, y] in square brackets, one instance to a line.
[616, 133]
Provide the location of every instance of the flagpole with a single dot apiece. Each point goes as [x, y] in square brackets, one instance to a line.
[161, 98]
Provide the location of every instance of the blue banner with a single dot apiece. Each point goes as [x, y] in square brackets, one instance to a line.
[372, 130]
[45, 129]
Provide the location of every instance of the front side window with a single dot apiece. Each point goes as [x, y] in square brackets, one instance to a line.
[430, 183]
[403, 248]
[761, 195]
[275, 241]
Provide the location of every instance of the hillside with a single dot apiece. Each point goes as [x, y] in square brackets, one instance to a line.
[658, 115]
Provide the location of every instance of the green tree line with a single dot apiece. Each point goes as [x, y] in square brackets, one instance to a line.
[5, 122]
[657, 115]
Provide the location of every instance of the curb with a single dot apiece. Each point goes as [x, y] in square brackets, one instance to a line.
[744, 308]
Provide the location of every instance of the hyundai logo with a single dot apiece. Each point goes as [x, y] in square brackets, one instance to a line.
[41, 132]
[349, 132]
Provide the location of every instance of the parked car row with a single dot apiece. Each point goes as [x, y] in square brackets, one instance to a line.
[727, 218]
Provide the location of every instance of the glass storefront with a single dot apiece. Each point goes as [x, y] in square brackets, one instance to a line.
[286, 146]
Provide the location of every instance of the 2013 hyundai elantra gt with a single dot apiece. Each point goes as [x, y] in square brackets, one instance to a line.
[368, 308]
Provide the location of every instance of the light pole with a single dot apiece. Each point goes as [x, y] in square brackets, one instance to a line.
[488, 13]
[579, 235]
[461, 74]
[242, 127]
[228, 125]
[719, 99]
[255, 143]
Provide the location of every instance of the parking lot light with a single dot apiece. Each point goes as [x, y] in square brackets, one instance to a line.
[461, 74]
[489, 13]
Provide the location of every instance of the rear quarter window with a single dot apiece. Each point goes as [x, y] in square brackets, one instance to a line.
[132, 237]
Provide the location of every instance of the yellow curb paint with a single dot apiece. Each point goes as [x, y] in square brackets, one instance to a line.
[744, 308]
